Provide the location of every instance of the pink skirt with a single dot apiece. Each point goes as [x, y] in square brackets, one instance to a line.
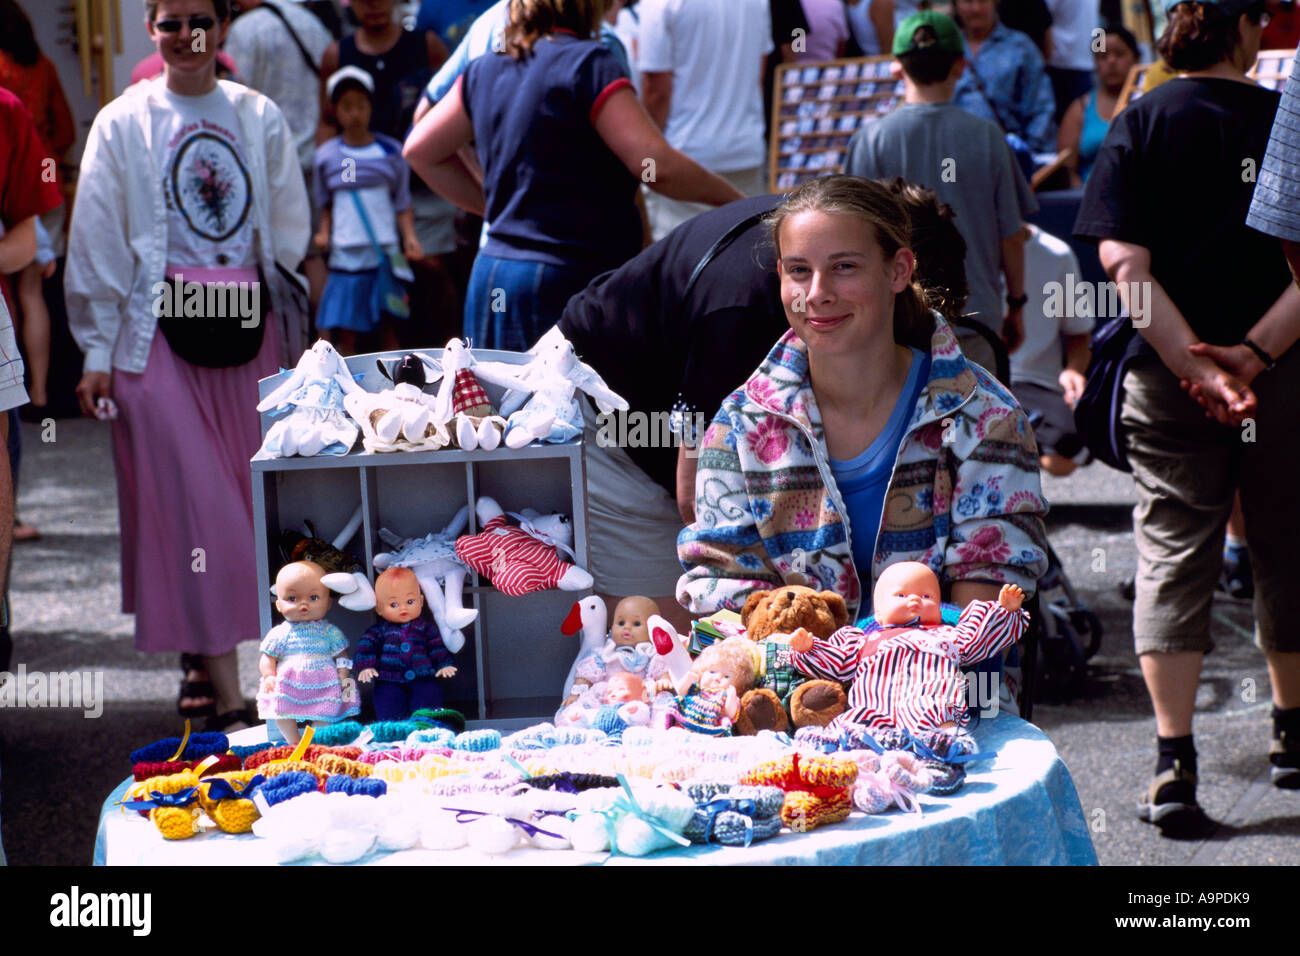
[181, 444]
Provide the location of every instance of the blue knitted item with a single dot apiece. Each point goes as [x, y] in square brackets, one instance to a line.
[286, 786]
[359, 786]
[338, 734]
[196, 748]
[244, 752]
[453, 720]
[546, 736]
[392, 731]
[434, 737]
[478, 740]
[610, 723]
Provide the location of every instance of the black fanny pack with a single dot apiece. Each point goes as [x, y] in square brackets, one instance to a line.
[213, 324]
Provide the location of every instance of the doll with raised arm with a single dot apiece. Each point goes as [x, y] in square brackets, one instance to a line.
[722, 673]
[403, 653]
[906, 672]
[303, 661]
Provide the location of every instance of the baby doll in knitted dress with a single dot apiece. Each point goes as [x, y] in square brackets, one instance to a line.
[723, 672]
[907, 673]
[303, 664]
[403, 650]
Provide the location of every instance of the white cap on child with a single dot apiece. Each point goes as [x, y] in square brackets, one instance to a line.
[349, 73]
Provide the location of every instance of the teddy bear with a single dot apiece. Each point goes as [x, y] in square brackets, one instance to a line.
[769, 618]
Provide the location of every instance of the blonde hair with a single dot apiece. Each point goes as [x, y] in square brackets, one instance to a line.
[735, 651]
[885, 213]
[530, 20]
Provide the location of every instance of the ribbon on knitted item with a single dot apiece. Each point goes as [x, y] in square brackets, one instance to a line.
[223, 789]
[746, 808]
[300, 749]
[470, 816]
[537, 534]
[184, 740]
[156, 799]
[629, 803]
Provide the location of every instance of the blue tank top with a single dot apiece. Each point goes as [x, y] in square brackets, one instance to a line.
[1093, 132]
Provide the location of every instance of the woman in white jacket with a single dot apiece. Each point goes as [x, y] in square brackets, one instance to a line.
[187, 180]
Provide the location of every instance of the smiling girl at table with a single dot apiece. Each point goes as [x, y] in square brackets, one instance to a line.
[864, 418]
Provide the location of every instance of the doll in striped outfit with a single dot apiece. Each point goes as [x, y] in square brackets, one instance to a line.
[907, 674]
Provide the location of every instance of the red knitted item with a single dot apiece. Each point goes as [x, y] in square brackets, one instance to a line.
[310, 755]
[161, 768]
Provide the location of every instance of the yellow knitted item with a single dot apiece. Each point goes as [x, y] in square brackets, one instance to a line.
[803, 811]
[333, 763]
[231, 815]
[174, 823]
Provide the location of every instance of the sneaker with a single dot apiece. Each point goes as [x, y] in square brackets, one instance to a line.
[1284, 755]
[1237, 579]
[1170, 801]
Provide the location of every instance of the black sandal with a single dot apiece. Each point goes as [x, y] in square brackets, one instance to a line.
[195, 689]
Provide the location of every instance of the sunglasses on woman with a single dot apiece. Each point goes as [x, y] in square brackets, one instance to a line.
[174, 26]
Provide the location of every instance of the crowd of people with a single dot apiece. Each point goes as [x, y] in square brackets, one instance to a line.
[603, 164]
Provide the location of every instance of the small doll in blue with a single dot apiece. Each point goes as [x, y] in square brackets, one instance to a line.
[403, 653]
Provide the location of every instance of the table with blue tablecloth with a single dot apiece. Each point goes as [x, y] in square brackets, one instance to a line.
[1018, 807]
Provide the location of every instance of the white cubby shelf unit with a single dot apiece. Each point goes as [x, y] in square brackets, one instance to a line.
[515, 659]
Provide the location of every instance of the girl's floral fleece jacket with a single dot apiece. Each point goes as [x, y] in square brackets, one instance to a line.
[964, 498]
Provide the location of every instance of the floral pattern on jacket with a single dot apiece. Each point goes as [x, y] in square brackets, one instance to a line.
[965, 496]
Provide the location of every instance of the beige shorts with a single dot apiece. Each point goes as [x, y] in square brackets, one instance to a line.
[632, 523]
[1186, 468]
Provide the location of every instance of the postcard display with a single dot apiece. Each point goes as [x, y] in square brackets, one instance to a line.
[515, 660]
[817, 109]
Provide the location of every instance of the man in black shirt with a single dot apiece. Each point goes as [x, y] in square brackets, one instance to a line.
[674, 349]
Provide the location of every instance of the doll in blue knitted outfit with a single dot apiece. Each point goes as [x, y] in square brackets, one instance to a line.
[403, 653]
[720, 675]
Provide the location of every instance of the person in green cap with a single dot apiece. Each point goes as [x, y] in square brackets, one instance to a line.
[965, 160]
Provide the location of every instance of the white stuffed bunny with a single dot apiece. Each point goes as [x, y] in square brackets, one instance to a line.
[315, 394]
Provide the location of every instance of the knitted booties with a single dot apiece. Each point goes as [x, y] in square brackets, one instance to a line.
[817, 789]
[734, 816]
[946, 778]
[175, 810]
[227, 799]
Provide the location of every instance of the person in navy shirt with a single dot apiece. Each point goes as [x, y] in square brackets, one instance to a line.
[563, 143]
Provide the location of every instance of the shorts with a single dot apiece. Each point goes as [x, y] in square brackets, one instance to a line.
[1186, 468]
[632, 523]
[1052, 421]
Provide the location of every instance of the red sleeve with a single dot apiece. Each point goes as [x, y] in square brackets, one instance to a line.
[26, 187]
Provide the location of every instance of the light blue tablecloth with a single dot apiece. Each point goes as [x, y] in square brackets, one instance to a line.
[1019, 807]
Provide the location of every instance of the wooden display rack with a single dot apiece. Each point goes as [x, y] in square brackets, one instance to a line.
[818, 107]
[514, 661]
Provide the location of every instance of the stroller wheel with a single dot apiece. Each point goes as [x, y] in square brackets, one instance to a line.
[1087, 624]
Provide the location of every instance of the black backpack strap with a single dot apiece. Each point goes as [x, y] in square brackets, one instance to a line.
[293, 35]
[723, 241]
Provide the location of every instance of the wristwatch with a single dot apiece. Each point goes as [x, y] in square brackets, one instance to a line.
[1016, 301]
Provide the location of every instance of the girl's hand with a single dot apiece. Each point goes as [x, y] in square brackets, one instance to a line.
[92, 387]
[1236, 359]
[1072, 383]
[412, 249]
[321, 240]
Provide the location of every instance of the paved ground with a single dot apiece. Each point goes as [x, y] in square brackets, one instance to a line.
[66, 618]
